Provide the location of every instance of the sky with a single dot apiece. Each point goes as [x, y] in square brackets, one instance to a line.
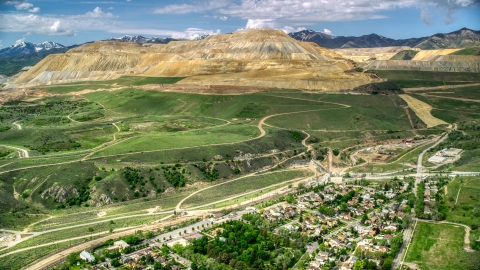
[78, 21]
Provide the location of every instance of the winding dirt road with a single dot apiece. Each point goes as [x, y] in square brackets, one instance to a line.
[23, 153]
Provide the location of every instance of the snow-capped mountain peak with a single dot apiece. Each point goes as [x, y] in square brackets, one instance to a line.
[28, 47]
[142, 40]
[47, 45]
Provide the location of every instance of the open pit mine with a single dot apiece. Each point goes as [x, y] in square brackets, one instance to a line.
[258, 58]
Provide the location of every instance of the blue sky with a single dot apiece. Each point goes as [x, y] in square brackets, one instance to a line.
[78, 21]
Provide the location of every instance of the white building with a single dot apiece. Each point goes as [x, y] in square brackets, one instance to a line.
[87, 256]
[437, 159]
[121, 244]
[452, 152]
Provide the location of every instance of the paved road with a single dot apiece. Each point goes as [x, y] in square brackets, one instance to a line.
[418, 178]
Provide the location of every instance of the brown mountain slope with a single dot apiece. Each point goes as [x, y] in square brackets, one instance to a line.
[260, 57]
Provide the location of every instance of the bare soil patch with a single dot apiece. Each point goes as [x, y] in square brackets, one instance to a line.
[423, 111]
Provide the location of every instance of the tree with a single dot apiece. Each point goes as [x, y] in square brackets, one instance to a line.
[72, 258]
[364, 218]
[387, 263]
[115, 263]
[282, 261]
[344, 207]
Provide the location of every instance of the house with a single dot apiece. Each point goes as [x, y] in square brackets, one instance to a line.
[322, 257]
[316, 264]
[87, 256]
[121, 244]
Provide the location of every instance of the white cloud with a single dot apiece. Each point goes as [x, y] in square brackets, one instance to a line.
[192, 33]
[289, 29]
[23, 6]
[188, 33]
[57, 24]
[260, 23]
[426, 15]
[261, 13]
[328, 32]
[1, 43]
[222, 18]
[197, 7]
[98, 13]
[20, 41]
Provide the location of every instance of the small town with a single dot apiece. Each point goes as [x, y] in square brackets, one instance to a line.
[339, 225]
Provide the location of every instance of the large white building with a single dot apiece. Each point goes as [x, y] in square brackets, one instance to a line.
[87, 256]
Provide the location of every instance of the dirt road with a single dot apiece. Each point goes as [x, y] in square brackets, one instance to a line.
[23, 153]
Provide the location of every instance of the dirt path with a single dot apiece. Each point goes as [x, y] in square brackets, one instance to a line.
[70, 118]
[16, 195]
[318, 101]
[454, 98]
[458, 194]
[411, 121]
[423, 111]
[246, 193]
[115, 134]
[440, 87]
[412, 266]
[330, 160]
[23, 153]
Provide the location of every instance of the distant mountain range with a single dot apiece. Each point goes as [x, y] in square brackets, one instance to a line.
[462, 38]
[15, 57]
[11, 65]
[28, 48]
[142, 40]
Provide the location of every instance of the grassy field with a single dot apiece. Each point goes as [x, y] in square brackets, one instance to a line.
[21, 259]
[451, 110]
[408, 79]
[240, 186]
[379, 168]
[440, 246]
[470, 92]
[158, 141]
[466, 209]
[85, 231]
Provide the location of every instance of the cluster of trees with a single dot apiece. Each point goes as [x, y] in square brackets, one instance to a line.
[419, 203]
[208, 171]
[44, 143]
[297, 136]
[242, 246]
[133, 177]
[83, 196]
[459, 139]
[321, 153]
[386, 259]
[175, 175]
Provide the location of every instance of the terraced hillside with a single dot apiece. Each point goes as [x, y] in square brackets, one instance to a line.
[260, 57]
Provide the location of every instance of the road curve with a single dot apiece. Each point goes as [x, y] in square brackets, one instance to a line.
[23, 153]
